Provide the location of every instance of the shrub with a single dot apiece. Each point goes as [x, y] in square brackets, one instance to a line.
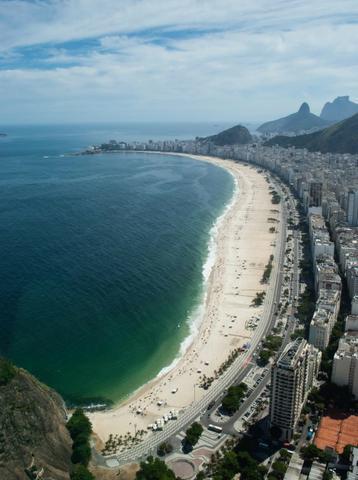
[7, 371]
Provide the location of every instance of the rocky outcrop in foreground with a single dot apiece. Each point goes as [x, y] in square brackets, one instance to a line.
[32, 427]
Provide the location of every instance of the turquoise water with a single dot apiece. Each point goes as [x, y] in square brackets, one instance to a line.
[101, 258]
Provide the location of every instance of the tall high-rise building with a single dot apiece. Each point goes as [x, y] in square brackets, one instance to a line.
[315, 194]
[352, 208]
[292, 378]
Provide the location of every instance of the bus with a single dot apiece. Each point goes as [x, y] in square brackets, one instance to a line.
[215, 428]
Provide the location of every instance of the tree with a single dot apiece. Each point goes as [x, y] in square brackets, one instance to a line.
[81, 453]
[80, 472]
[284, 454]
[80, 429]
[311, 452]
[79, 424]
[193, 434]
[279, 469]
[345, 455]
[154, 469]
[232, 400]
[164, 448]
[264, 357]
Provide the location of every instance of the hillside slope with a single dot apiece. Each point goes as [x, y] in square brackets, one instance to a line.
[339, 138]
[32, 422]
[303, 119]
[231, 136]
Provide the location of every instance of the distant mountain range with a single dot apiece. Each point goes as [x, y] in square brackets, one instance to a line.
[341, 137]
[303, 120]
[300, 121]
[231, 136]
[340, 109]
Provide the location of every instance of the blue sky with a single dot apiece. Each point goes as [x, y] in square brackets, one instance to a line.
[162, 60]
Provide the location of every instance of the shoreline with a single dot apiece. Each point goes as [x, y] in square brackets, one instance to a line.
[178, 385]
[196, 316]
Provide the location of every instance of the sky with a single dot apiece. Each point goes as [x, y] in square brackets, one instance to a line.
[66, 61]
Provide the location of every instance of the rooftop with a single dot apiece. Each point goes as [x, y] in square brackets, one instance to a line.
[337, 430]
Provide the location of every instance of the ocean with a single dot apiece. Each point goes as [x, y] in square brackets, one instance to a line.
[102, 257]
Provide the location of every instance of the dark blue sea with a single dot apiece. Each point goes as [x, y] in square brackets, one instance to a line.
[101, 257]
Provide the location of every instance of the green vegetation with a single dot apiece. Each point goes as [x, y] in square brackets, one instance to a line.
[272, 229]
[279, 469]
[267, 272]
[164, 448]
[339, 138]
[232, 400]
[80, 472]
[231, 136]
[206, 381]
[258, 300]
[276, 198]
[298, 333]
[280, 466]
[117, 442]
[80, 429]
[269, 347]
[79, 425]
[345, 456]
[264, 357]
[7, 371]
[311, 452]
[306, 307]
[228, 462]
[154, 469]
[331, 396]
[193, 434]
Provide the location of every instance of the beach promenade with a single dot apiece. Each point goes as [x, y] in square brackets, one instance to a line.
[244, 244]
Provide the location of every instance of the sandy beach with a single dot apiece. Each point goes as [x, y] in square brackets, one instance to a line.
[243, 247]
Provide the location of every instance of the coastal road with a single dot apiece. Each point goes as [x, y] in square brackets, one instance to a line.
[228, 426]
[232, 374]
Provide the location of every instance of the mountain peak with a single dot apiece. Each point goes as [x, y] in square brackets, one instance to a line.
[343, 98]
[304, 108]
[302, 120]
[340, 109]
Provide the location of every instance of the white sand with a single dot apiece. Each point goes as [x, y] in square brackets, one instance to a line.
[244, 245]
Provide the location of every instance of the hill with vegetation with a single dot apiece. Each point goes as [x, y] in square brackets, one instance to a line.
[341, 137]
[297, 122]
[232, 136]
[340, 109]
[33, 433]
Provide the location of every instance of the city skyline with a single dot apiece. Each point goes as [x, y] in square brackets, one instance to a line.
[151, 61]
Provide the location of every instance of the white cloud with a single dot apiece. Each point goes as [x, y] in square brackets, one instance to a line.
[247, 60]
